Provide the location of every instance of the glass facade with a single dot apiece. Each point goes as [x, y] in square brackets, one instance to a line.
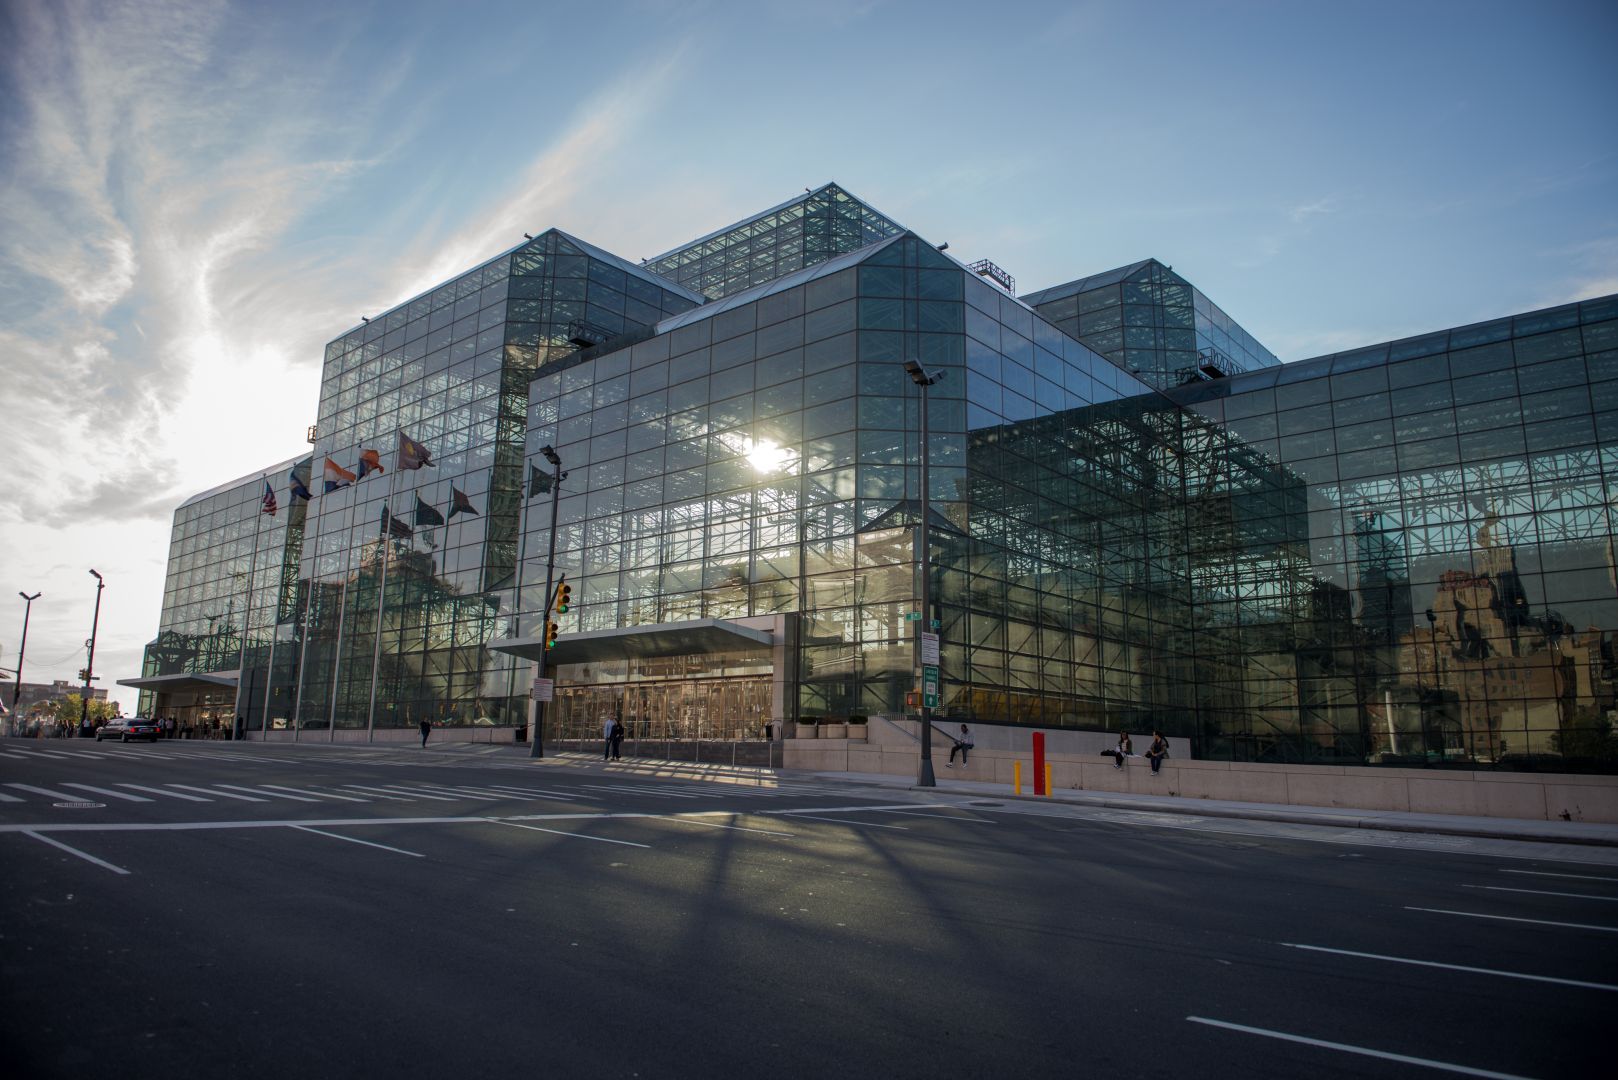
[1400, 554]
[799, 233]
[1149, 320]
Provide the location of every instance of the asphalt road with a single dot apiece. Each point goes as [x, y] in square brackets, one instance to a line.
[239, 910]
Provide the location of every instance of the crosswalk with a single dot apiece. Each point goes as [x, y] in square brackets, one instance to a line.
[73, 792]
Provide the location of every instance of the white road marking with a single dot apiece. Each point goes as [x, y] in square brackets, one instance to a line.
[66, 796]
[160, 791]
[497, 795]
[846, 821]
[14, 757]
[1547, 873]
[1514, 918]
[547, 793]
[271, 794]
[378, 793]
[445, 789]
[316, 794]
[109, 791]
[936, 817]
[1454, 967]
[689, 819]
[636, 789]
[351, 840]
[86, 856]
[8, 798]
[402, 792]
[559, 832]
[1464, 1070]
[1543, 892]
[216, 791]
[45, 753]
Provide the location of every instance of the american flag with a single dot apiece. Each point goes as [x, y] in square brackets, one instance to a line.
[269, 498]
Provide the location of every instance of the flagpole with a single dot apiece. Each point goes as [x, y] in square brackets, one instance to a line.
[247, 617]
[381, 594]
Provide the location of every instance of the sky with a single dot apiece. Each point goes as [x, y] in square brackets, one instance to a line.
[195, 197]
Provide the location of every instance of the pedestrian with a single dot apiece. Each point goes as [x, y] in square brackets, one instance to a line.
[616, 738]
[963, 743]
[1124, 749]
[1157, 751]
[606, 736]
[173, 727]
[426, 726]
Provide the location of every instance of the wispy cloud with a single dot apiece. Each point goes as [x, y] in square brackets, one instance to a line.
[1302, 213]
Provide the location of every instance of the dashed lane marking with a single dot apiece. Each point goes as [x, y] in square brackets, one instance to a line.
[216, 791]
[161, 791]
[109, 792]
[352, 840]
[1453, 967]
[559, 832]
[271, 794]
[31, 789]
[1547, 873]
[1518, 918]
[86, 856]
[316, 794]
[1543, 892]
[377, 793]
[1464, 1070]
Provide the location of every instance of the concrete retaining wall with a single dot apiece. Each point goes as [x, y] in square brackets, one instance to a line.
[1077, 763]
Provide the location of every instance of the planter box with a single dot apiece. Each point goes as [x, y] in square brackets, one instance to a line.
[804, 731]
[835, 731]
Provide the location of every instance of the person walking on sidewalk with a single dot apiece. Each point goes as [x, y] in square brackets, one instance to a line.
[615, 738]
[1157, 751]
[426, 726]
[1124, 749]
[963, 743]
[606, 736]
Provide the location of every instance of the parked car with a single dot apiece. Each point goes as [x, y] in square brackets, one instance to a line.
[124, 728]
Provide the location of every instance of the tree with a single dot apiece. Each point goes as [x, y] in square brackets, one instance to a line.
[67, 710]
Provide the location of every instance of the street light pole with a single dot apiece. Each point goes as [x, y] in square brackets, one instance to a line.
[90, 665]
[536, 737]
[924, 768]
[22, 651]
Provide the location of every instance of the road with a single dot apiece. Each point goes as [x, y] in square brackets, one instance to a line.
[244, 910]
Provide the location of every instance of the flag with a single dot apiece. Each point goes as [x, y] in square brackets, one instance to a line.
[337, 476]
[427, 514]
[412, 455]
[370, 462]
[300, 485]
[269, 499]
[461, 504]
[539, 481]
[392, 526]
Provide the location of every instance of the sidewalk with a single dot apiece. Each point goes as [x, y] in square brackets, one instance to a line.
[1558, 832]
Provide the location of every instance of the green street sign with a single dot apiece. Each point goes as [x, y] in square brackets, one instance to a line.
[912, 616]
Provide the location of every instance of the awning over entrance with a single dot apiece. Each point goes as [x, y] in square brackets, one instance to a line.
[168, 684]
[635, 642]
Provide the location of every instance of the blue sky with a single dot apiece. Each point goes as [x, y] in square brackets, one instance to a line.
[197, 196]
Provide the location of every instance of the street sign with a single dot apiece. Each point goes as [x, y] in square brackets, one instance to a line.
[929, 686]
[912, 616]
[544, 690]
[929, 650]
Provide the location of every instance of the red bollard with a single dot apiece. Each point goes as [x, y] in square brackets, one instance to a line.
[1039, 763]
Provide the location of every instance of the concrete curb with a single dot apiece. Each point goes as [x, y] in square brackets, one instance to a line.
[1431, 825]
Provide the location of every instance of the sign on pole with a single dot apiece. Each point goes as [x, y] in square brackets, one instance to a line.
[929, 650]
[544, 690]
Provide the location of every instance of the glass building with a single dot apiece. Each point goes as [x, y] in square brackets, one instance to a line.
[1138, 518]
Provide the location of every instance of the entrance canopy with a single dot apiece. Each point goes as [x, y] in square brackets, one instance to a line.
[185, 680]
[696, 637]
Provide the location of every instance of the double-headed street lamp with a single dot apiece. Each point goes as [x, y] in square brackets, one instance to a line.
[537, 736]
[926, 639]
[22, 651]
[90, 665]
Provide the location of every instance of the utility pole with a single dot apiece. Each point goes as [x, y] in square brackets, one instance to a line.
[28, 607]
[926, 637]
[90, 665]
[537, 736]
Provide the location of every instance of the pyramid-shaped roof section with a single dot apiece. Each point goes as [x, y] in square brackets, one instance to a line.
[1085, 284]
[821, 223]
[625, 265]
[780, 284]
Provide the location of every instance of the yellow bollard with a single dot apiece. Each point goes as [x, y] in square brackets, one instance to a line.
[1047, 779]
[1016, 778]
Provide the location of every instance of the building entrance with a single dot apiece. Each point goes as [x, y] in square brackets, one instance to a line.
[690, 710]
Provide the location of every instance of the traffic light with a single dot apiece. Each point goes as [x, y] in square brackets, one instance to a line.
[84, 675]
[564, 592]
[551, 630]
